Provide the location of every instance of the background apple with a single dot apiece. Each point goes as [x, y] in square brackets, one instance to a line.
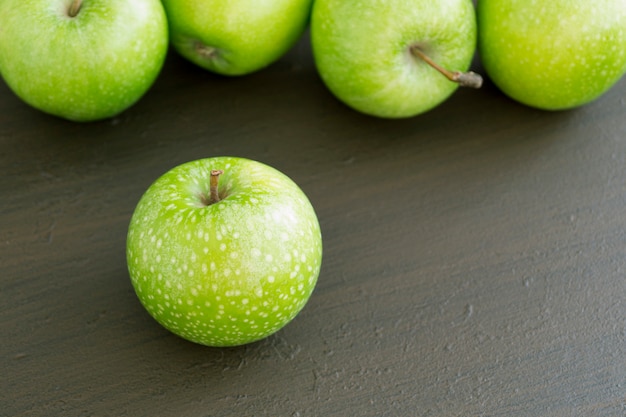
[235, 37]
[82, 60]
[368, 55]
[553, 54]
[224, 251]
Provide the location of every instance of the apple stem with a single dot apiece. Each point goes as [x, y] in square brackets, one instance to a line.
[74, 8]
[214, 196]
[464, 79]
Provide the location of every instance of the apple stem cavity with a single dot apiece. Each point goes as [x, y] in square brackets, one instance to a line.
[464, 79]
[205, 51]
[214, 195]
[74, 8]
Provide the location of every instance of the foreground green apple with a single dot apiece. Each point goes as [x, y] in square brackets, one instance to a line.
[384, 57]
[235, 37]
[553, 54]
[81, 60]
[224, 251]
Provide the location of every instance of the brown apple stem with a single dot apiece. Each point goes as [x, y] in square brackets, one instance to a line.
[74, 8]
[464, 79]
[215, 179]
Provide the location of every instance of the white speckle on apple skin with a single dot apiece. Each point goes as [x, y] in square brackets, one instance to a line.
[235, 282]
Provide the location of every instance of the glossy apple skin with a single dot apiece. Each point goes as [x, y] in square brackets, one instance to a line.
[553, 54]
[245, 35]
[89, 67]
[231, 272]
[361, 50]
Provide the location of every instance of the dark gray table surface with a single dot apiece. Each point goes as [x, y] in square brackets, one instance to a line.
[473, 264]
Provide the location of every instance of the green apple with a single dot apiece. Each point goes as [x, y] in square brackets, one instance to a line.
[82, 60]
[386, 57]
[235, 37]
[224, 251]
[553, 54]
